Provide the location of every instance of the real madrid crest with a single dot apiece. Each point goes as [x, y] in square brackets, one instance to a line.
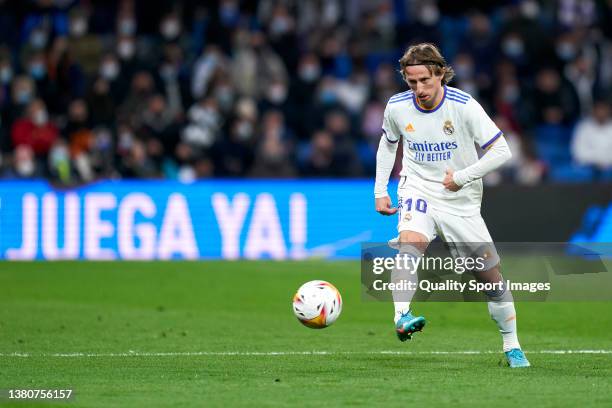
[448, 128]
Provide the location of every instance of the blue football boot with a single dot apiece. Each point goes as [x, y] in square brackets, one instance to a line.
[516, 358]
[407, 325]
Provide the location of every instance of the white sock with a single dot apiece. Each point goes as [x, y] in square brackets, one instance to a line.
[400, 309]
[504, 314]
[402, 298]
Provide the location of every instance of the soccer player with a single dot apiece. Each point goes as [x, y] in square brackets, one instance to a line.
[440, 188]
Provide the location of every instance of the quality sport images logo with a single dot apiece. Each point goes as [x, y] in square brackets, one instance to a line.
[432, 151]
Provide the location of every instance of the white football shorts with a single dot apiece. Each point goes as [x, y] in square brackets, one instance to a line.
[465, 235]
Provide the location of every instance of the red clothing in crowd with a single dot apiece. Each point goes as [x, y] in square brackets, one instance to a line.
[40, 138]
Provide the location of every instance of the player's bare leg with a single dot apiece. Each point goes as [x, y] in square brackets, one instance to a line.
[502, 311]
[411, 245]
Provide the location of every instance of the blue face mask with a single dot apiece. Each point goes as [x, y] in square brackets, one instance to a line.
[23, 97]
[38, 39]
[6, 74]
[328, 97]
[38, 71]
[513, 48]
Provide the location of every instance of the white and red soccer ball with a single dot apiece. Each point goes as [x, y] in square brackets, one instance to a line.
[317, 304]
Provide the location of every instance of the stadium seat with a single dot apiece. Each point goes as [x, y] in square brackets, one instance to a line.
[606, 175]
[571, 173]
[553, 153]
[552, 144]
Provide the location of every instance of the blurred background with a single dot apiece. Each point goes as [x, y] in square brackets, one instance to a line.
[188, 90]
[205, 90]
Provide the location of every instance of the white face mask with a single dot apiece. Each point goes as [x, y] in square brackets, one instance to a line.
[38, 39]
[109, 70]
[6, 74]
[40, 118]
[244, 130]
[513, 47]
[59, 154]
[310, 72]
[510, 94]
[168, 72]
[126, 49]
[23, 96]
[170, 29]
[464, 70]
[25, 168]
[78, 27]
[277, 93]
[126, 140]
[280, 25]
[127, 26]
[429, 15]
[225, 96]
[530, 9]
[566, 51]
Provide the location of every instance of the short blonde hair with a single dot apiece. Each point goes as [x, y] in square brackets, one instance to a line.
[429, 55]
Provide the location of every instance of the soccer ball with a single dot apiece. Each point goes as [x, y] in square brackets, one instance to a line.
[317, 304]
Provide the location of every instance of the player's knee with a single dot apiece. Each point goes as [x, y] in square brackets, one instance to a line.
[414, 239]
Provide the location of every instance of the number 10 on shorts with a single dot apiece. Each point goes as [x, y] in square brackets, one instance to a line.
[419, 204]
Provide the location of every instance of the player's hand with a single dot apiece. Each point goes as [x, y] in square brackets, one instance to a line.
[449, 183]
[383, 206]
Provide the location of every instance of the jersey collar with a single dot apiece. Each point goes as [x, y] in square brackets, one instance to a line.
[432, 110]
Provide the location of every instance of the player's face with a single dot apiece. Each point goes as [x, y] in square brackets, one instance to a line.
[426, 86]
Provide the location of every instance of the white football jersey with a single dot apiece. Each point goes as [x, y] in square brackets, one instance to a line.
[439, 139]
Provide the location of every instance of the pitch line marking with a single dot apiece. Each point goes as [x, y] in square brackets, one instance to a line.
[287, 353]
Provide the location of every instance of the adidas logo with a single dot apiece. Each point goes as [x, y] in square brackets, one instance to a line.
[409, 128]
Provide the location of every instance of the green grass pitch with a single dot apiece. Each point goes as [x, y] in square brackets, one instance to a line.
[204, 334]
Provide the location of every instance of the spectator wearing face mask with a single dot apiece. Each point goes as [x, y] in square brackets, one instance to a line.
[117, 79]
[159, 129]
[126, 50]
[282, 34]
[173, 78]
[424, 23]
[35, 67]
[35, 130]
[59, 163]
[22, 92]
[22, 164]
[302, 91]
[43, 20]
[6, 72]
[234, 154]
[170, 27]
[275, 98]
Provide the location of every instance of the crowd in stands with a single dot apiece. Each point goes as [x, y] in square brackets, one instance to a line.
[297, 88]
